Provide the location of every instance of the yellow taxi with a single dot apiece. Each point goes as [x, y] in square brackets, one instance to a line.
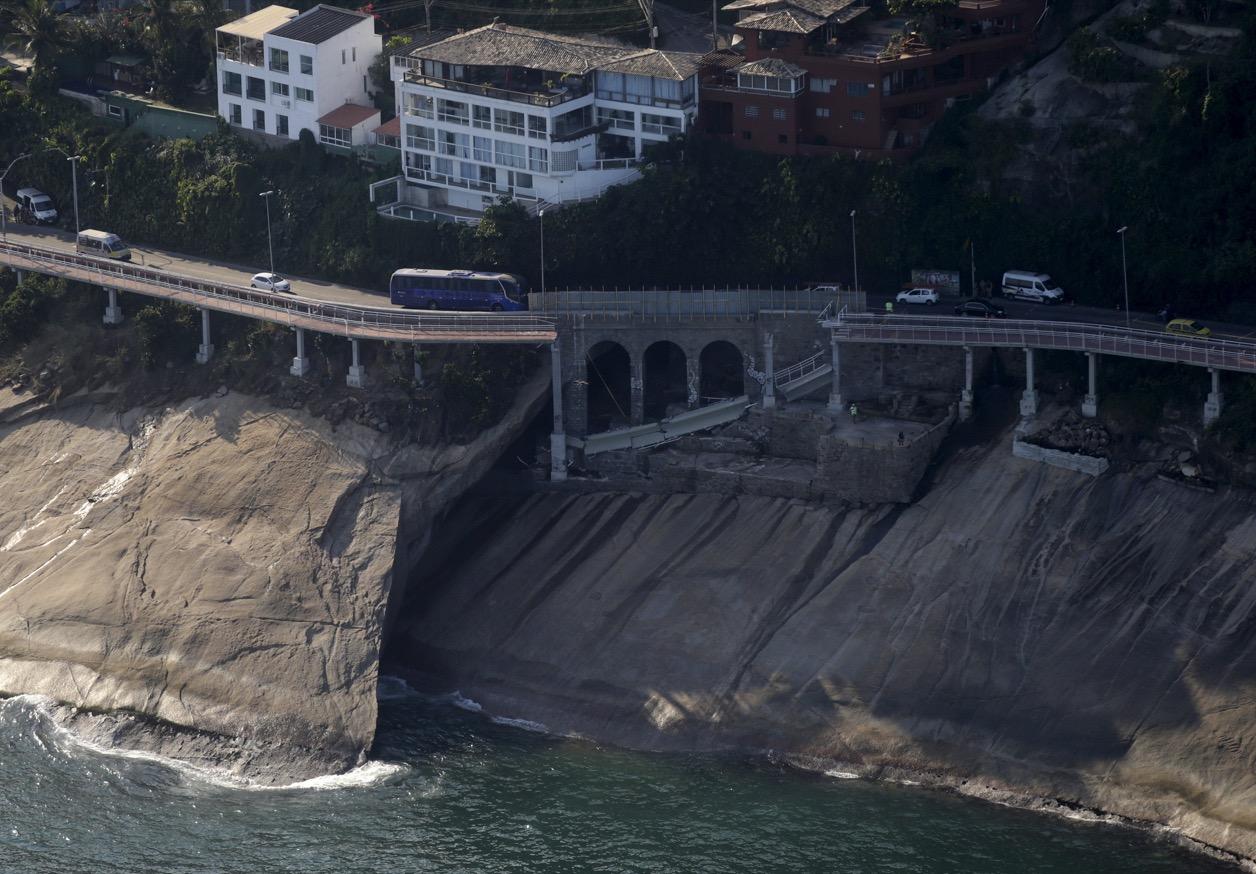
[1189, 327]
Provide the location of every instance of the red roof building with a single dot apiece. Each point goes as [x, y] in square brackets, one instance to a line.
[821, 76]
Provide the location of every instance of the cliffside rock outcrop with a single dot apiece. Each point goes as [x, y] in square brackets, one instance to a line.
[219, 565]
[1022, 631]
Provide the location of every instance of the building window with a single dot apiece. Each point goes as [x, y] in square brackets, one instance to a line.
[778, 114]
[481, 117]
[452, 112]
[508, 122]
[619, 119]
[279, 60]
[279, 89]
[745, 135]
[822, 112]
[538, 159]
[281, 125]
[520, 180]
[257, 88]
[823, 86]
[482, 149]
[509, 154]
[342, 56]
[234, 114]
[305, 94]
[421, 138]
[659, 124]
[307, 65]
[354, 54]
[417, 104]
[232, 83]
[857, 115]
[773, 84]
[334, 136]
[858, 89]
[259, 120]
[458, 145]
[752, 112]
[538, 127]
[116, 111]
[488, 175]
[782, 138]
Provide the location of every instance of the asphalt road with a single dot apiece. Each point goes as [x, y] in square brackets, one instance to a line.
[201, 268]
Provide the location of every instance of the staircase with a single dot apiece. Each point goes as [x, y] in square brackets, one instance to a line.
[807, 376]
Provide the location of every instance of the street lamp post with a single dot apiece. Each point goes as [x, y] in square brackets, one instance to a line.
[270, 243]
[4, 224]
[854, 251]
[1124, 274]
[74, 159]
[540, 214]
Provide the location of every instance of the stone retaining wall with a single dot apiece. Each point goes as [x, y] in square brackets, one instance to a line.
[1087, 464]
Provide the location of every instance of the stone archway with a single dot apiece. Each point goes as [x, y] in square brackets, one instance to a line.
[666, 386]
[608, 369]
[721, 372]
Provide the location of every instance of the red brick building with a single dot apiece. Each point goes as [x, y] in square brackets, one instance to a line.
[818, 76]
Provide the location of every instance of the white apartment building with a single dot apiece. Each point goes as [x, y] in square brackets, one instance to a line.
[280, 72]
[540, 117]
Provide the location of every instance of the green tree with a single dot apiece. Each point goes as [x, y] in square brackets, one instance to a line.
[36, 30]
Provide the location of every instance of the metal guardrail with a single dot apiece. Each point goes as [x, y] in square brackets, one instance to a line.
[803, 368]
[693, 304]
[1028, 333]
[354, 322]
[665, 430]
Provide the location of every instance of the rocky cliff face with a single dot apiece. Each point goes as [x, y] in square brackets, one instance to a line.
[1021, 631]
[219, 565]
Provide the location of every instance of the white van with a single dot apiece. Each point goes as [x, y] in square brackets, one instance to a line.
[1031, 286]
[37, 204]
[103, 245]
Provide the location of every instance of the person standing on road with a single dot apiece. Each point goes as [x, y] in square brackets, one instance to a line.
[889, 307]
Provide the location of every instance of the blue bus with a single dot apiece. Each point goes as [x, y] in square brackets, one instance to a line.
[457, 290]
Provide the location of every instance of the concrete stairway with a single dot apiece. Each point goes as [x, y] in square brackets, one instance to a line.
[807, 376]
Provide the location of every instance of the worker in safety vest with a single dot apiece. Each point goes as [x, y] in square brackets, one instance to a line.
[889, 307]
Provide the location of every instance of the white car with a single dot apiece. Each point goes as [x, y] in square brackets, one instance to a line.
[918, 295]
[270, 282]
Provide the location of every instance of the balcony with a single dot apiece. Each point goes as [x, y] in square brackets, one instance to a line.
[565, 134]
[240, 50]
[548, 97]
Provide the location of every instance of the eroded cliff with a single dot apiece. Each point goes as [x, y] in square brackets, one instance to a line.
[220, 565]
[1022, 631]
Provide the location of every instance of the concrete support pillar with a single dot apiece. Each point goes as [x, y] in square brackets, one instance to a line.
[636, 389]
[966, 394]
[769, 383]
[300, 364]
[357, 373]
[1029, 400]
[1090, 403]
[418, 365]
[206, 351]
[1212, 406]
[836, 403]
[693, 381]
[113, 312]
[558, 440]
[21, 275]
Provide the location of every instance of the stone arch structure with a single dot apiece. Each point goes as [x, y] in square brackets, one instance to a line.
[666, 379]
[721, 372]
[608, 375]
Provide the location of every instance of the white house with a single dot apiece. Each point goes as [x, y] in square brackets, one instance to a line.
[280, 73]
[540, 117]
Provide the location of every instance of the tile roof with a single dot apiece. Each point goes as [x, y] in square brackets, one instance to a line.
[652, 62]
[777, 67]
[503, 45]
[390, 128]
[257, 24]
[795, 16]
[784, 21]
[319, 24]
[348, 115]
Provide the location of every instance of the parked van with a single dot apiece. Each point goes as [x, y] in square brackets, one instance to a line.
[103, 245]
[37, 205]
[1031, 286]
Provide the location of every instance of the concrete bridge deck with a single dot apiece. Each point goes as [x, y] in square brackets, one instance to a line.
[354, 322]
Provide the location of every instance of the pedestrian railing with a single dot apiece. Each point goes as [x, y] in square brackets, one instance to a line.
[689, 304]
[354, 322]
[802, 369]
[1233, 355]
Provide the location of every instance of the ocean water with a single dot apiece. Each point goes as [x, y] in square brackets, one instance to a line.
[450, 789]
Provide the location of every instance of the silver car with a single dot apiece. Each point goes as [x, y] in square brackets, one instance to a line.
[271, 282]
